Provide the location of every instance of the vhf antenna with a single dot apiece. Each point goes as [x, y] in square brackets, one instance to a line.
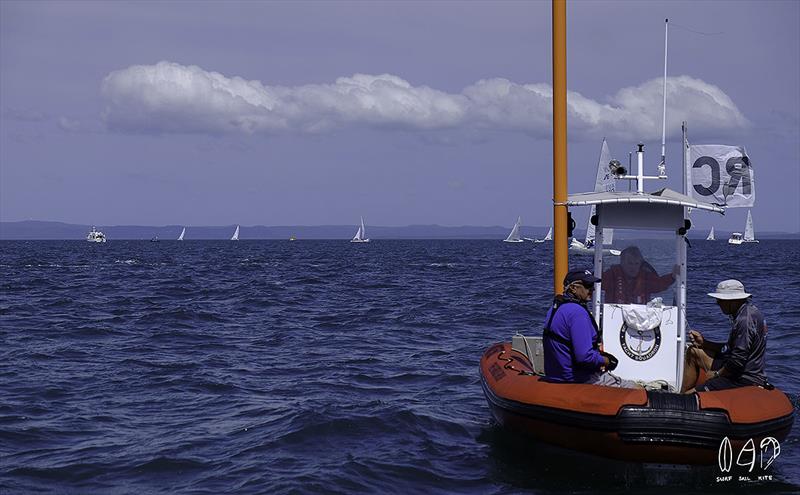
[662, 167]
[619, 171]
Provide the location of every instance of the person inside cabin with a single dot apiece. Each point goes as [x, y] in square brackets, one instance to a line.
[572, 340]
[634, 280]
[740, 361]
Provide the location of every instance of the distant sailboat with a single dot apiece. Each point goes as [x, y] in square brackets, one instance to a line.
[577, 247]
[749, 233]
[183, 233]
[361, 234]
[711, 235]
[513, 236]
[548, 237]
[236, 234]
[603, 182]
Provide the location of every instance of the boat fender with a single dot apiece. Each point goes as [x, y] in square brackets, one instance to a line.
[570, 224]
[687, 224]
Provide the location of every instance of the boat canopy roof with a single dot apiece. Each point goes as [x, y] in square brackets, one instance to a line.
[661, 197]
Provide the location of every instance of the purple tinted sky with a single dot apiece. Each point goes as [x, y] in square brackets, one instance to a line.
[94, 129]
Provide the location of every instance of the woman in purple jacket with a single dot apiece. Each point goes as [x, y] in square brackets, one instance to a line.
[572, 340]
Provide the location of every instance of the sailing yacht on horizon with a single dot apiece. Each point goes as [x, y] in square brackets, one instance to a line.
[749, 233]
[361, 233]
[513, 236]
[548, 237]
[235, 234]
[183, 233]
[711, 235]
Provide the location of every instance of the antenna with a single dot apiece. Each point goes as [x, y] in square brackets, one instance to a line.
[662, 167]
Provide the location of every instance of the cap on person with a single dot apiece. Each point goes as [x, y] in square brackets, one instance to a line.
[580, 276]
[730, 290]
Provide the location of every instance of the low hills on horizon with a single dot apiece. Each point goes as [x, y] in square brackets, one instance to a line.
[44, 230]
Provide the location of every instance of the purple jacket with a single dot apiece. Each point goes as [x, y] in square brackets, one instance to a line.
[575, 362]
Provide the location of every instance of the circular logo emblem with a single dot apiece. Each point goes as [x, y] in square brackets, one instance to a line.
[639, 345]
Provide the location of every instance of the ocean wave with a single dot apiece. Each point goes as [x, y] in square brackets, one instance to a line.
[272, 367]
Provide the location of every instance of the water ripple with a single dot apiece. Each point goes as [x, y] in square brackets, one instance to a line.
[306, 367]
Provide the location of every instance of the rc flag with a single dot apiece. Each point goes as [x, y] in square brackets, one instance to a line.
[721, 175]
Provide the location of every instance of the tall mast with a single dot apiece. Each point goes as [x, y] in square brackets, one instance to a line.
[662, 166]
[560, 256]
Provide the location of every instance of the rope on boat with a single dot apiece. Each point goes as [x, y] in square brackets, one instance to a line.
[510, 366]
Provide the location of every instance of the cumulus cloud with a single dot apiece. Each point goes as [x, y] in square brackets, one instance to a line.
[173, 98]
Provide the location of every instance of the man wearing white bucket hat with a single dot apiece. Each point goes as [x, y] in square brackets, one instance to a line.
[738, 362]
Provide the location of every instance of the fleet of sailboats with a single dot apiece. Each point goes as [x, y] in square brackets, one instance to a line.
[361, 234]
[576, 247]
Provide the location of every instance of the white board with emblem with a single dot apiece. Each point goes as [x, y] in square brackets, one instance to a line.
[643, 354]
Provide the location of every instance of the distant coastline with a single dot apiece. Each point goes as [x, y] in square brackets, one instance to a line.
[42, 230]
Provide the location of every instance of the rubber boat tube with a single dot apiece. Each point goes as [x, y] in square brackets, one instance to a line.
[628, 424]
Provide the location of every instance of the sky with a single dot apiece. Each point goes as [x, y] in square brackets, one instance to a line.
[316, 113]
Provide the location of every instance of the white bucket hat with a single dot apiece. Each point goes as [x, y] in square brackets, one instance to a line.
[730, 290]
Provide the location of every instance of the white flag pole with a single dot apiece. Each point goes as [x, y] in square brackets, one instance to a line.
[685, 160]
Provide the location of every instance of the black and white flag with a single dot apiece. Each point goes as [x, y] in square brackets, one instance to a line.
[721, 175]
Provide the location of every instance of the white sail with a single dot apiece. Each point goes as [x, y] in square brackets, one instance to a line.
[235, 234]
[361, 234]
[183, 233]
[604, 182]
[548, 237]
[711, 235]
[749, 232]
[513, 236]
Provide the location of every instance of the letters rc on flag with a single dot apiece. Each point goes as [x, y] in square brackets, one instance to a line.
[720, 175]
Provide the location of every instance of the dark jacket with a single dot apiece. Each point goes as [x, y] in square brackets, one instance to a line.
[745, 354]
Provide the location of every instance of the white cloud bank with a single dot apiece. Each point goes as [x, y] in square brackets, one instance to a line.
[173, 98]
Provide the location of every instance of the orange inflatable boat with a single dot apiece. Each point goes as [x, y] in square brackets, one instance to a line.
[629, 424]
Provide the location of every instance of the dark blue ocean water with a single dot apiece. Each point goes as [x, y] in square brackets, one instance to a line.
[306, 367]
